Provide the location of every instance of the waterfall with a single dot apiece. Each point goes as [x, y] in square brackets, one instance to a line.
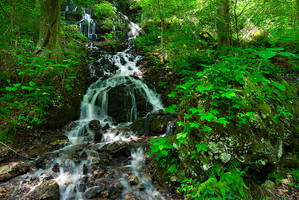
[73, 165]
[95, 106]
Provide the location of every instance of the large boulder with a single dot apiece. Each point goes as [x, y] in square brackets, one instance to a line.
[48, 190]
[12, 170]
[120, 111]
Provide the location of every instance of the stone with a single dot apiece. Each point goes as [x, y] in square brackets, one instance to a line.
[158, 123]
[225, 157]
[138, 125]
[94, 125]
[55, 168]
[269, 185]
[132, 179]
[131, 196]
[12, 170]
[48, 190]
[59, 142]
[141, 186]
[92, 192]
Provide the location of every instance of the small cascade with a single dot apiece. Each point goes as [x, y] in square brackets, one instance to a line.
[144, 187]
[170, 128]
[87, 25]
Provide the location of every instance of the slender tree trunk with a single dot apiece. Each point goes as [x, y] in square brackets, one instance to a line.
[297, 8]
[236, 20]
[162, 24]
[223, 24]
[49, 24]
[12, 14]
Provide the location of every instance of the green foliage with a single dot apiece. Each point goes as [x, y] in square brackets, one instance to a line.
[31, 85]
[104, 8]
[220, 185]
[162, 148]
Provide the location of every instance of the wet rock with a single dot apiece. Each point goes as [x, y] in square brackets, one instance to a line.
[119, 186]
[121, 111]
[132, 179]
[138, 125]
[114, 193]
[83, 156]
[40, 162]
[117, 149]
[71, 126]
[81, 187]
[140, 186]
[12, 170]
[92, 192]
[131, 196]
[159, 122]
[55, 168]
[48, 190]
[94, 125]
[106, 127]
[59, 142]
[85, 169]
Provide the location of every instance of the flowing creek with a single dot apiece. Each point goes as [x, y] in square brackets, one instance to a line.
[73, 166]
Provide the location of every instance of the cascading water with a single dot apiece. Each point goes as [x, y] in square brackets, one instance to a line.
[95, 107]
[75, 162]
[87, 25]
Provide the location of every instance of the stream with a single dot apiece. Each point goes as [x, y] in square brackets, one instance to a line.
[102, 157]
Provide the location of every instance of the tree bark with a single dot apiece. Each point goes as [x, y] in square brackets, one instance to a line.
[49, 24]
[162, 24]
[223, 24]
[297, 10]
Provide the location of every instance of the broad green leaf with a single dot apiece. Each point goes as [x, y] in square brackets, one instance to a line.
[11, 89]
[267, 54]
[17, 84]
[207, 129]
[201, 147]
[172, 94]
[288, 54]
[171, 109]
[221, 120]
[31, 83]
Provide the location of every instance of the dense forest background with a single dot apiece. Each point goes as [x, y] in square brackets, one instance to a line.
[226, 69]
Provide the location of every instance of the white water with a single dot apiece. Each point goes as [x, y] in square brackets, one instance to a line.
[75, 159]
[137, 162]
[87, 25]
[95, 107]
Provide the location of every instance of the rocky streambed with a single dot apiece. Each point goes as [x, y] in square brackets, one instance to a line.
[110, 175]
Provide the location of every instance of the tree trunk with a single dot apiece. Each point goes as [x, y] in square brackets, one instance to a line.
[223, 24]
[162, 24]
[49, 24]
[297, 8]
